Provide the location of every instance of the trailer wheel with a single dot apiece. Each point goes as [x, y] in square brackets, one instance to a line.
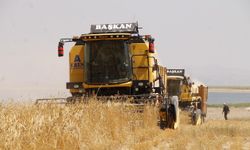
[162, 125]
[196, 117]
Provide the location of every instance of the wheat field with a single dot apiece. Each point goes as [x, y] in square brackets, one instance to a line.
[96, 125]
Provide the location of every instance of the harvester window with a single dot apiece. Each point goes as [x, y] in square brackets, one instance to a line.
[107, 62]
[174, 87]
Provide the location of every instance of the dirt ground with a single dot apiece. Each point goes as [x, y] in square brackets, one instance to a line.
[215, 113]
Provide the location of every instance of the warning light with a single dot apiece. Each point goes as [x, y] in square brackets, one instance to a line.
[60, 49]
[151, 47]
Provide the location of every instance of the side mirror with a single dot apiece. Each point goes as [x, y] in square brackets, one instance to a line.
[151, 45]
[60, 49]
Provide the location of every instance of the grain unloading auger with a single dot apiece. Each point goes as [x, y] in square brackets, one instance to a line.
[114, 60]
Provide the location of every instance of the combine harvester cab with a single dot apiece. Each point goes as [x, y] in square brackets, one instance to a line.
[114, 60]
[192, 96]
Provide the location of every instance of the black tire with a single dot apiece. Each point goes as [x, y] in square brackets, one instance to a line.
[162, 125]
[171, 117]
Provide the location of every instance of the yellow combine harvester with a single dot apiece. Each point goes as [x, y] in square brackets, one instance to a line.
[190, 94]
[114, 60]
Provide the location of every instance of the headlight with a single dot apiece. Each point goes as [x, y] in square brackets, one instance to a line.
[76, 86]
[140, 84]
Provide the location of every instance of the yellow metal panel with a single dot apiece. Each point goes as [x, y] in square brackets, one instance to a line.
[140, 74]
[139, 61]
[76, 59]
[143, 62]
[127, 84]
[151, 58]
[138, 48]
[186, 94]
[186, 97]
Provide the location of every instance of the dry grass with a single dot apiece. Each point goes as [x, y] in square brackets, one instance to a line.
[101, 126]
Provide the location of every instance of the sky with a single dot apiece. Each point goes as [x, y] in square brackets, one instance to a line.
[210, 39]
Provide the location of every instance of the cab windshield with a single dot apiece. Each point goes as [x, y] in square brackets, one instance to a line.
[174, 87]
[107, 62]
